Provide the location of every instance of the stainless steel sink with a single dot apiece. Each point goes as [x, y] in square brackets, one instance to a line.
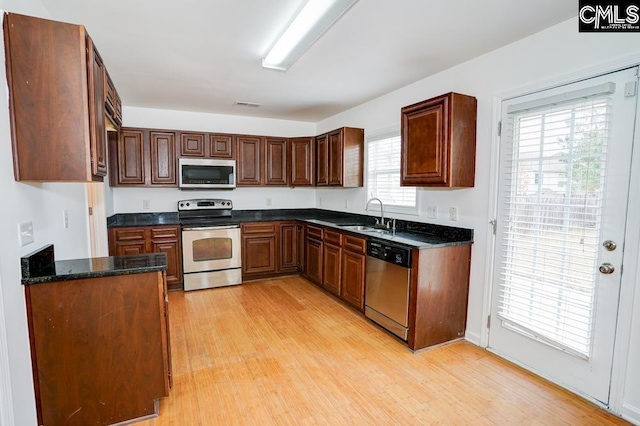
[364, 228]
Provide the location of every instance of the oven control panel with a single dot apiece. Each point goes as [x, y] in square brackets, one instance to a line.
[205, 204]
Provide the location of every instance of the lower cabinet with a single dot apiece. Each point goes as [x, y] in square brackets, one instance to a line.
[353, 271]
[269, 249]
[336, 261]
[258, 250]
[100, 348]
[151, 239]
[300, 242]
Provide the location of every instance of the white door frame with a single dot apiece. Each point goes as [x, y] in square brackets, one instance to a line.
[6, 397]
[631, 261]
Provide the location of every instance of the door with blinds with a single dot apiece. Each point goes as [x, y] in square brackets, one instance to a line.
[563, 189]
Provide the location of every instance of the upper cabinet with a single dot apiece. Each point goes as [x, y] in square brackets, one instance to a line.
[249, 167]
[56, 101]
[340, 158]
[439, 142]
[143, 157]
[207, 145]
[113, 103]
[301, 161]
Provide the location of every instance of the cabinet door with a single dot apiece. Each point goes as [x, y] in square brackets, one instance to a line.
[332, 258]
[174, 260]
[276, 162]
[288, 247]
[353, 272]
[130, 158]
[163, 158]
[258, 254]
[192, 144]
[301, 161]
[249, 165]
[221, 146]
[313, 257]
[98, 130]
[335, 158]
[166, 239]
[322, 160]
[439, 142]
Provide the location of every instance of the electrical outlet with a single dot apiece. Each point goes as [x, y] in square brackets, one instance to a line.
[146, 204]
[25, 233]
[65, 219]
[346, 203]
[453, 213]
[432, 212]
[268, 201]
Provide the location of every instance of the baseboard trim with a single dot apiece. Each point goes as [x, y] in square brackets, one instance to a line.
[631, 413]
[472, 337]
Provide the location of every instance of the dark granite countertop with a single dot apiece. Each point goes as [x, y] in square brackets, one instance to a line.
[40, 267]
[411, 234]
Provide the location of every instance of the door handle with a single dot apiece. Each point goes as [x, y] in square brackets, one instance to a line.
[606, 268]
[609, 245]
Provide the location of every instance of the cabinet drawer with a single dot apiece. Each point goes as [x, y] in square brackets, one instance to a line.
[314, 232]
[356, 245]
[128, 234]
[169, 232]
[259, 228]
[333, 237]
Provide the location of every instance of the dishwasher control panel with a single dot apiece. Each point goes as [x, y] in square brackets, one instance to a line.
[391, 253]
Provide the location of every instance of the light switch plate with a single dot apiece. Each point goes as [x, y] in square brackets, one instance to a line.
[432, 212]
[453, 214]
[25, 233]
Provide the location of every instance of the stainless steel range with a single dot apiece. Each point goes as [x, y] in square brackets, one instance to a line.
[211, 243]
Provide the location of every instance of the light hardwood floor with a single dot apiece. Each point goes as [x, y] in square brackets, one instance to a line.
[283, 352]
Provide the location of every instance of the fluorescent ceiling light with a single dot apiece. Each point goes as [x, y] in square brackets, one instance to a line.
[316, 17]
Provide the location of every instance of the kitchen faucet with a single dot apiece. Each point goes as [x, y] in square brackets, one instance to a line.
[379, 222]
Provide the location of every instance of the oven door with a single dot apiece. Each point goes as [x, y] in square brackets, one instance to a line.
[211, 248]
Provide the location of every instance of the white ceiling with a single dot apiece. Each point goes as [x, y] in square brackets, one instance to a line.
[204, 55]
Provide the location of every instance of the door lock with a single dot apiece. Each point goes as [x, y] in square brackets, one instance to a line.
[609, 245]
[606, 268]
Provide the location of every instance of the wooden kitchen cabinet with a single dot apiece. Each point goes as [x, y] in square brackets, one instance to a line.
[207, 145]
[56, 101]
[126, 241]
[353, 271]
[288, 247]
[301, 161]
[314, 254]
[113, 103]
[269, 249]
[439, 142]
[438, 295]
[162, 158]
[322, 160]
[249, 167]
[340, 158]
[100, 348]
[143, 157]
[276, 170]
[259, 250]
[331, 264]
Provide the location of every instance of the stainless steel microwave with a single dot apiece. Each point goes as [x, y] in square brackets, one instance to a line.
[203, 173]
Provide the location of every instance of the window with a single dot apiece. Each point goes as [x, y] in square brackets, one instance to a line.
[383, 174]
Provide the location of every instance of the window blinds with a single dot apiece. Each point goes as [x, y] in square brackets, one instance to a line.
[553, 162]
[383, 173]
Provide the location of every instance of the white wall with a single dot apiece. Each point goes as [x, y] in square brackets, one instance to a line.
[42, 204]
[535, 61]
[129, 200]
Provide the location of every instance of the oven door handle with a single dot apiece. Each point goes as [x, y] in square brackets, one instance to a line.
[209, 228]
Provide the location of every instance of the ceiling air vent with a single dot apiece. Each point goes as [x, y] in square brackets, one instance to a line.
[247, 104]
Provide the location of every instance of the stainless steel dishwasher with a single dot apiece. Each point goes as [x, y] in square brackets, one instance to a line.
[386, 297]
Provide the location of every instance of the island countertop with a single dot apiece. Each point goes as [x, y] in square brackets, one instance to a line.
[40, 267]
